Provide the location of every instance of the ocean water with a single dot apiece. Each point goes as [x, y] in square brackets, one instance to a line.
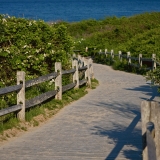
[76, 10]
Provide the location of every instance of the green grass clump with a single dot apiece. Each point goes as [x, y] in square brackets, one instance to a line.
[8, 123]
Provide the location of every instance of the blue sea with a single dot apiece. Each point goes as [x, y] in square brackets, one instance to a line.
[76, 10]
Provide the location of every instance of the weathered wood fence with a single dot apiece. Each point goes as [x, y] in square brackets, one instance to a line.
[150, 114]
[78, 64]
[150, 63]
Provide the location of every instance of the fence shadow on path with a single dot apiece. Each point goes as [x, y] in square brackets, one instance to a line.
[148, 90]
[122, 135]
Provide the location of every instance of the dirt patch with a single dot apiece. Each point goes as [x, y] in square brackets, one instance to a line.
[10, 134]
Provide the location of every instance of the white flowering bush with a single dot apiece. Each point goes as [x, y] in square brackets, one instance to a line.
[31, 46]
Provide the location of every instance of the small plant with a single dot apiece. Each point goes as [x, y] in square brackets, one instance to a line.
[35, 123]
[95, 83]
[23, 128]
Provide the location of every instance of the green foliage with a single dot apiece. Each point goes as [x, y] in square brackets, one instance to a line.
[154, 76]
[137, 34]
[121, 65]
[31, 46]
[34, 112]
[145, 43]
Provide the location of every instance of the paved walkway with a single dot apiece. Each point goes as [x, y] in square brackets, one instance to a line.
[103, 125]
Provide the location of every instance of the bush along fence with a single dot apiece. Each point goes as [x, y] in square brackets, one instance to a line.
[139, 62]
[79, 64]
[150, 112]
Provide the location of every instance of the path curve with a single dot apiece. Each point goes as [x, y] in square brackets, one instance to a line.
[103, 125]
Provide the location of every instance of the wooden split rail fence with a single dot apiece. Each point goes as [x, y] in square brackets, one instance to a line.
[149, 62]
[78, 64]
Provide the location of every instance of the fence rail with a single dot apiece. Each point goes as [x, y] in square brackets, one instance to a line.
[68, 71]
[10, 109]
[10, 89]
[68, 87]
[149, 62]
[40, 79]
[78, 64]
[83, 81]
[39, 99]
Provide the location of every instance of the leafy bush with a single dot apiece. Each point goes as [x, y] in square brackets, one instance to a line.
[31, 46]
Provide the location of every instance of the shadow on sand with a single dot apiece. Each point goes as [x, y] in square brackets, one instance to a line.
[121, 134]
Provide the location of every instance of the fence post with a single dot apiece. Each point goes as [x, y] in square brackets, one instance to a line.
[100, 51]
[145, 116]
[86, 49]
[87, 73]
[120, 57]
[76, 74]
[129, 58]
[105, 51]
[150, 112]
[153, 61]
[74, 55]
[112, 54]
[150, 134]
[58, 80]
[21, 95]
[155, 118]
[91, 68]
[140, 61]
[80, 63]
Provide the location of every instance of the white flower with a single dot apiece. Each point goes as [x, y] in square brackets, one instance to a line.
[7, 51]
[51, 81]
[4, 20]
[30, 23]
[8, 16]
[29, 56]
[24, 46]
[37, 50]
